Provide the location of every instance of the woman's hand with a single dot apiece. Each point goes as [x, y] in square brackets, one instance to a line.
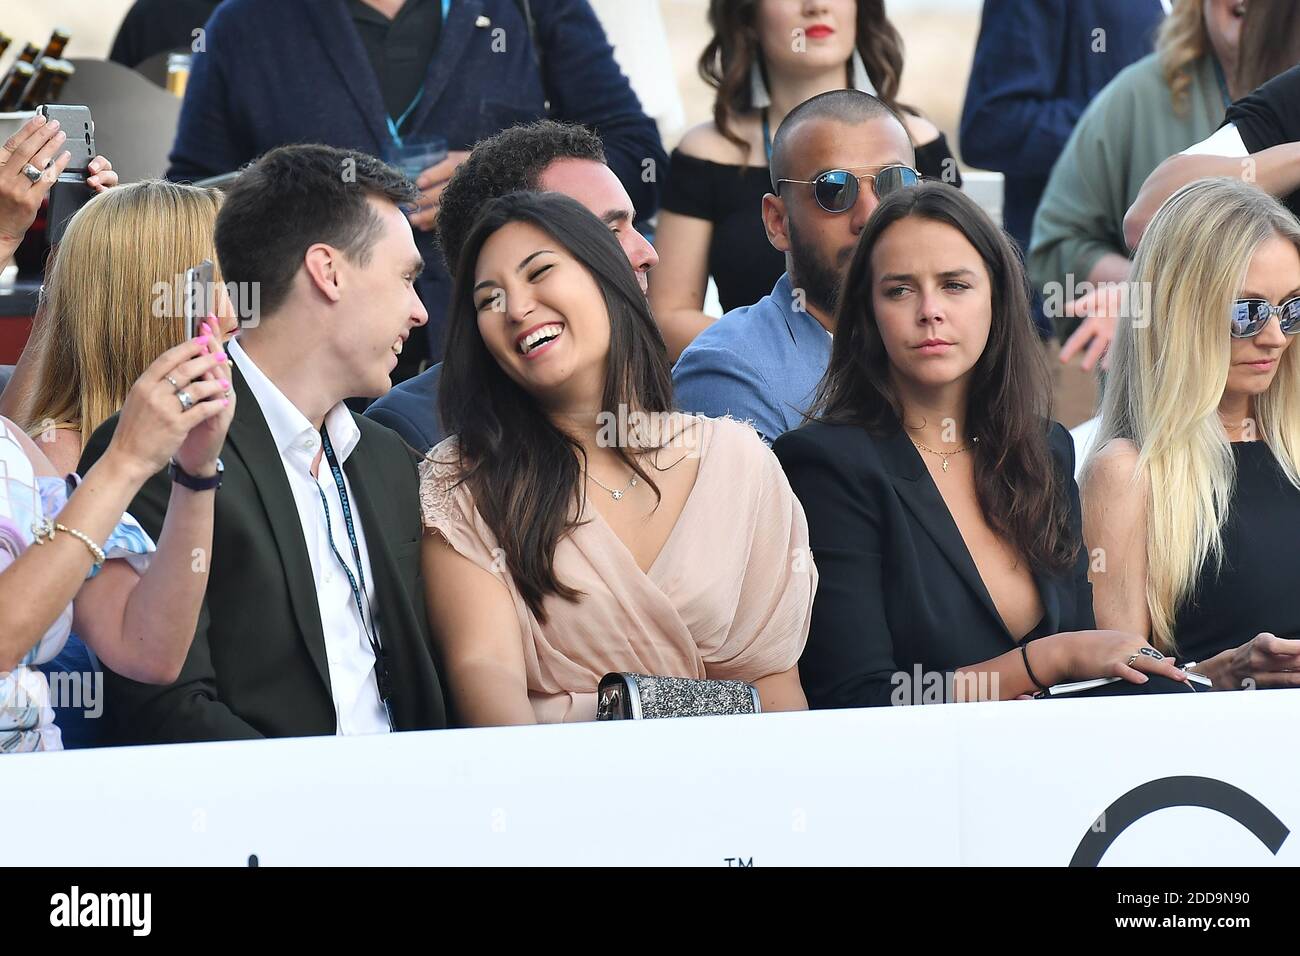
[202, 446]
[1266, 660]
[102, 175]
[1086, 655]
[37, 143]
[155, 424]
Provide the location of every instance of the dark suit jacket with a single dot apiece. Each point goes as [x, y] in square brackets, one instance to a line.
[257, 666]
[410, 408]
[897, 587]
[295, 71]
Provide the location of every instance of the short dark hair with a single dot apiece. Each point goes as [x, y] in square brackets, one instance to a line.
[295, 196]
[842, 106]
[509, 162]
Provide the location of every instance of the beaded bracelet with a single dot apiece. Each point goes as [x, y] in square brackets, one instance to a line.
[44, 531]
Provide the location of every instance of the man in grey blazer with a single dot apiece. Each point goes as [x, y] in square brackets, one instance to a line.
[762, 363]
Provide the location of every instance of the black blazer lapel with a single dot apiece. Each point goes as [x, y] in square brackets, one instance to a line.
[458, 35]
[342, 44]
[1049, 589]
[250, 437]
[917, 490]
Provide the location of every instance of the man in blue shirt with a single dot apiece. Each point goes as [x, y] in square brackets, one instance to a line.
[368, 75]
[761, 363]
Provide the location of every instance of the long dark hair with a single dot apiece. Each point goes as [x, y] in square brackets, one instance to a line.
[522, 470]
[1270, 42]
[727, 61]
[1019, 490]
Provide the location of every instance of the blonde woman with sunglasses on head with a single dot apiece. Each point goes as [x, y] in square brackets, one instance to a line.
[1192, 497]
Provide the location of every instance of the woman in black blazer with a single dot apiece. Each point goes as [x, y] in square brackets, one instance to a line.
[941, 504]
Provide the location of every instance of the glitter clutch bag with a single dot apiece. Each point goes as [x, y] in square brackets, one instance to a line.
[641, 697]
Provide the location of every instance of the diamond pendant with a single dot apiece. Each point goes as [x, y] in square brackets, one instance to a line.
[945, 462]
[617, 495]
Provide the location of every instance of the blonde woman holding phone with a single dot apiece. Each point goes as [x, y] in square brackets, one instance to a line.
[72, 558]
[111, 305]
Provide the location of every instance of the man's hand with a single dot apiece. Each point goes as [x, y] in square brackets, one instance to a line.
[1100, 309]
[432, 182]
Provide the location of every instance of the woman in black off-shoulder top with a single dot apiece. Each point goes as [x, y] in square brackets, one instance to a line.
[710, 223]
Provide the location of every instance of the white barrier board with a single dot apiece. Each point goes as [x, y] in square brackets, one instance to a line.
[997, 783]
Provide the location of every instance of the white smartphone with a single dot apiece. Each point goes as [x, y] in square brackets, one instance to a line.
[198, 289]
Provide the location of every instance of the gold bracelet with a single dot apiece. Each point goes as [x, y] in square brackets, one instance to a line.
[44, 531]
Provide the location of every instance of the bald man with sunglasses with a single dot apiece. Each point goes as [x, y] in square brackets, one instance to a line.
[833, 158]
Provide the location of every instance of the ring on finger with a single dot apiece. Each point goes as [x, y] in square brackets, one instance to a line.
[32, 173]
[187, 402]
[1131, 659]
[1152, 653]
[172, 382]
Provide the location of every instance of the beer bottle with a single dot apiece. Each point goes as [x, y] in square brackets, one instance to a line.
[30, 52]
[58, 42]
[11, 91]
[38, 88]
[62, 70]
[5, 40]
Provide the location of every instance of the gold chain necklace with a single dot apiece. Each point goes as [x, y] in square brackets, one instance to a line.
[945, 455]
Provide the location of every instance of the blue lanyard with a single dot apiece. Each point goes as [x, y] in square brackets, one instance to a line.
[381, 665]
[394, 125]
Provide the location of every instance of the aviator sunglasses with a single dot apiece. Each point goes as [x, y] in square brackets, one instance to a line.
[836, 190]
[1249, 316]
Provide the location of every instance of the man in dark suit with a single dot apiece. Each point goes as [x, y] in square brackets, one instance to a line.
[314, 620]
[373, 74]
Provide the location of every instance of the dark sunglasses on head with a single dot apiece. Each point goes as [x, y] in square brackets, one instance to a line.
[1249, 316]
[836, 190]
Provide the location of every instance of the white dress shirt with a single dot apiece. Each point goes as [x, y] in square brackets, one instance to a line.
[357, 706]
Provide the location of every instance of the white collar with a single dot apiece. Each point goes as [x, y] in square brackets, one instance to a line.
[289, 426]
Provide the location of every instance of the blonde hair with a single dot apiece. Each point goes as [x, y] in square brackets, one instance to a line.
[1183, 39]
[1169, 368]
[106, 313]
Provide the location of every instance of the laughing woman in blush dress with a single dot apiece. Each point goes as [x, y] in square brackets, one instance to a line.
[576, 525]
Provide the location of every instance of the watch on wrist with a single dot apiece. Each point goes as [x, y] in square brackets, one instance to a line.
[193, 482]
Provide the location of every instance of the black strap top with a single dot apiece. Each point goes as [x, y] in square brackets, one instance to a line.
[1254, 588]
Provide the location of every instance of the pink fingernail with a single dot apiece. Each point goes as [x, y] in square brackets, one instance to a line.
[225, 384]
[222, 357]
[225, 402]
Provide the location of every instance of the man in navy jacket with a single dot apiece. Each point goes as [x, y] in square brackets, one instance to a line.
[285, 71]
[1038, 63]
